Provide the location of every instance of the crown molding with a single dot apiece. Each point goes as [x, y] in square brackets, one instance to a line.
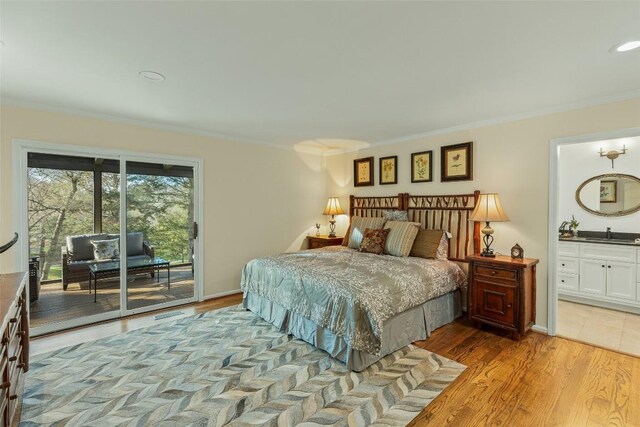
[496, 121]
[13, 102]
[513, 118]
[331, 152]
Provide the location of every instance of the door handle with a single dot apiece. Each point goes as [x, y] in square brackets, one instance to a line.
[195, 230]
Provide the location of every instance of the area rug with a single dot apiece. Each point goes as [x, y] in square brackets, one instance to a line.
[225, 367]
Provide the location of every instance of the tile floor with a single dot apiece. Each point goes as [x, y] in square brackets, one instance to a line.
[600, 326]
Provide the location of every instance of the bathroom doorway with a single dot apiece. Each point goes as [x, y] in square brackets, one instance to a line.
[594, 240]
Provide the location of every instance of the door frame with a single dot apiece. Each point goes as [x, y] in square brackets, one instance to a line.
[554, 154]
[20, 150]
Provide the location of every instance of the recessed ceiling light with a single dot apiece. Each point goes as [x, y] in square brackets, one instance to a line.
[626, 46]
[152, 75]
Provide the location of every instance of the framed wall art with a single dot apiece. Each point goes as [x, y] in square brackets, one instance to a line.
[363, 172]
[608, 192]
[388, 170]
[422, 166]
[456, 162]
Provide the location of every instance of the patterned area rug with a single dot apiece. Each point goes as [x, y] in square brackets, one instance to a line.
[225, 367]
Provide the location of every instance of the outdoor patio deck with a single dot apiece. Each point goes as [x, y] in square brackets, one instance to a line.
[56, 305]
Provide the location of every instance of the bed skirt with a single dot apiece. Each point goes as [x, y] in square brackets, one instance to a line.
[411, 325]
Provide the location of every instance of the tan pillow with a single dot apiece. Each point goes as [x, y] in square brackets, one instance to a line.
[426, 243]
[358, 225]
[401, 237]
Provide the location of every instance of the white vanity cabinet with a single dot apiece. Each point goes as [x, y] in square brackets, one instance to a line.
[599, 272]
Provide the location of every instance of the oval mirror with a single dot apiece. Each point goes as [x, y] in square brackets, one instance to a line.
[610, 194]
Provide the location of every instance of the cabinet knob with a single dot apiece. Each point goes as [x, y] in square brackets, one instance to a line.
[493, 272]
[15, 319]
[562, 280]
[509, 305]
[563, 265]
[609, 266]
[13, 358]
[603, 266]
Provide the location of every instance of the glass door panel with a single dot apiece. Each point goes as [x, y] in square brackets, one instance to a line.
[159, 225]
[73, 214]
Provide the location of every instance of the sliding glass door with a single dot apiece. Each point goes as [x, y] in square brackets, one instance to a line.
[108, 235]
[160, 219]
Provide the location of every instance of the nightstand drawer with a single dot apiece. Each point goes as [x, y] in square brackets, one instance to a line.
[496, 272]
[315, 244]
[495, 302]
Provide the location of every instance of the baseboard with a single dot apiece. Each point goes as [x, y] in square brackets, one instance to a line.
[222, 294]
[540, 329]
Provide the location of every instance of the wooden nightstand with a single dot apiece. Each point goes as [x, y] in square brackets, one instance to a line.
[502, 292]
[316, 242]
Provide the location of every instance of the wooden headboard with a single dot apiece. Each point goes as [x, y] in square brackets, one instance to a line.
[446, 212]
[373, 206]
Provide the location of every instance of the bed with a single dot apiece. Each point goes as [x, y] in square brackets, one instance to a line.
[359, 307]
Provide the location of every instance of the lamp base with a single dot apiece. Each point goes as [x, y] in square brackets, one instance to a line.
[488, 240]
[486, 252]
[332, 227]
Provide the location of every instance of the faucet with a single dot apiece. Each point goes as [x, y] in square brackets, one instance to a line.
[609, 233]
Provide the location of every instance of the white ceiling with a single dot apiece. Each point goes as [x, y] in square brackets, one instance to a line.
[284, 72]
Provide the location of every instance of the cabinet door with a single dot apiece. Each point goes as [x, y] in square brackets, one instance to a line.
[495, 302]
[593, 276]
[621, 280]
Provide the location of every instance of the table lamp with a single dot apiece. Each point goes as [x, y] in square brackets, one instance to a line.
[333, 208]
[488, 209]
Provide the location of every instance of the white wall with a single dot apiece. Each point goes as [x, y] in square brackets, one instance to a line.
[511, 159]
[579, 162]
[258, 200]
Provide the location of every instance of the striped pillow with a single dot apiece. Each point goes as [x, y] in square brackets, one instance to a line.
[401, 237]
[358, 225]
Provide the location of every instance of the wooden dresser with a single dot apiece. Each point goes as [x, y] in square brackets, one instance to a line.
[14, 346]
[316, 242]
[502, 292]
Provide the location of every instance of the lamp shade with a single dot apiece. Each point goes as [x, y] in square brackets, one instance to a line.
[333, 207]
[489, 209]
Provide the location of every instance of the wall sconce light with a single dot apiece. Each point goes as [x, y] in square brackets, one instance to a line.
[613, 154]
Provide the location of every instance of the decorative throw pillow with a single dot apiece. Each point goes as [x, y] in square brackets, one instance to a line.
[428, 244]
[373, 240]
[401, 237]
[105, 249]
[358, 225]
[396, 215]
[443, 247]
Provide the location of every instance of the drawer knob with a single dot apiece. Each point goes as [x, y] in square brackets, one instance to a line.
[493, 272]
[562, 280]
[509, 305]
[609, 266]
[603, 266]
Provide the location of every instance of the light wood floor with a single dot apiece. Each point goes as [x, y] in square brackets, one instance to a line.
[55, 305]
[539, 381]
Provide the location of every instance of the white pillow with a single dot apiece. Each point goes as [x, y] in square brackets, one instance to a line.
[358, 225]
